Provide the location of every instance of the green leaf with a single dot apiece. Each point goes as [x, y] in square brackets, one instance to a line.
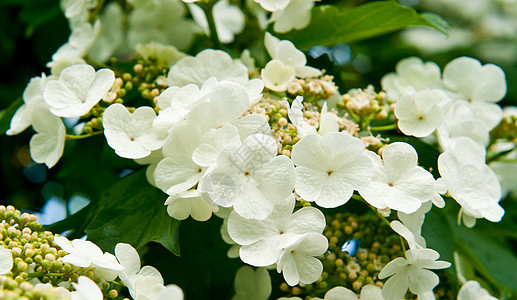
[132, 211]
[330, 26]
[7, 114]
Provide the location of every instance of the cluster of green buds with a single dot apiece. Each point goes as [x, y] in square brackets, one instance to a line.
[506, 130]
[313, 89]
[37, 260]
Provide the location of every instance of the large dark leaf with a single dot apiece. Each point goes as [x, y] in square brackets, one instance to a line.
[330, 26]
[132, 211]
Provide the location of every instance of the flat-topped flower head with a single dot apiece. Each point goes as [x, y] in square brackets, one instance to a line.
[398, 183]
[131, 134]
[77, 90]
[411, 272]
[330, 168]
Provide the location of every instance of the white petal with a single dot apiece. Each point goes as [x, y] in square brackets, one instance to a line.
[6, 261]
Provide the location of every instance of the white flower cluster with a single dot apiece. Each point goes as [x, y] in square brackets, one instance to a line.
[460, 107]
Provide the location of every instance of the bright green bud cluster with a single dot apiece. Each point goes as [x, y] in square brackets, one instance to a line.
[11, 289]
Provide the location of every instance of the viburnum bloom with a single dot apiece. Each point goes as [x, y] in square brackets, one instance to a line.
[368, 292]
[207, 63]
[47, 145]
[176, 172]
[250, 170]
[481, 85]
[252, 284]
[264, 240]
[472, 290]
[131, 135]
[160, 21]
[470, 181]
[296, 15]
[85, 254]
[411, 272]
[328, 120]
[143, 283]
[6, 261]
[286, 52]
[32, 97]
[412, 74]
[410, 227]
[228, 19]
[77, 90]
[298, 262]
[419, 114]
[398, 183]
[460, 121]
[86, 289]
[189, 203]
[273, 5]
[330, 168]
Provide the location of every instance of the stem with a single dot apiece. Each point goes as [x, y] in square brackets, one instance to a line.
[207, 8]
[384, 128]
[82, 136]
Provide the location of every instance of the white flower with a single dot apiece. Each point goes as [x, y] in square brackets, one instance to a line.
[460, 121]
[85, 254]
[411, 226]
[472, 290]
[228, 18]
[130, 260]
[252, 284]
[411, 74]
[330, 168]
[277, 76]
[246, 177]
[206, 153]
[289, 55]
[273, 5]
[32, 96]
[160, 21]
[86, 289]
[228, 101]
[77, 90]
[420, 114]
[298, 263]
[131, 134]
[411, 272]
[190, 203]
[398, 183]
[470, 181]
[177, 172]
[328, 120]
[481, 85]
[296, 15]
[47, 145]
[207, 63]
[263, 240]
[368, 292]
[111, 34]
[6, 261]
